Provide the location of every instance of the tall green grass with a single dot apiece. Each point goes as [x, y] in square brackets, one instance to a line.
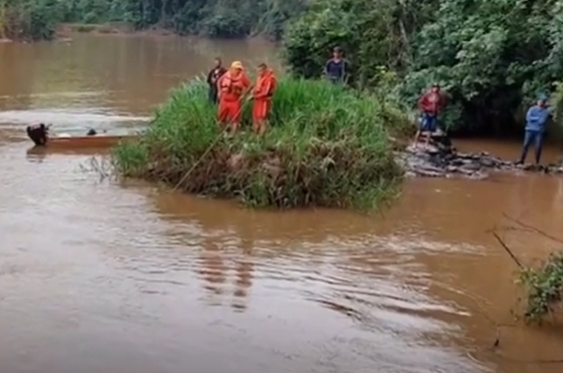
[326, 146]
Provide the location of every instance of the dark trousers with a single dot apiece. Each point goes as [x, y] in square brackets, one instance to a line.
[212, 94]
[532, 137]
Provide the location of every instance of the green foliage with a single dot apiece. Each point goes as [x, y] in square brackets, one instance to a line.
[28, 19]
[491, 56]
[372, 33]
[327, 146]
[544, 287]
[215, 18]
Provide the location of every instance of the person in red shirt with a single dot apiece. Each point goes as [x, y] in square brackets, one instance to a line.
[262, 95]
[430, 105]
[232, 87]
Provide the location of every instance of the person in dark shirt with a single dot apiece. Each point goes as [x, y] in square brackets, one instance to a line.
[337, 68]
[212, 79]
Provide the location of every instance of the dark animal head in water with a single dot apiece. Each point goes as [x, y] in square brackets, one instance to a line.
[39, 134]
[92, 132]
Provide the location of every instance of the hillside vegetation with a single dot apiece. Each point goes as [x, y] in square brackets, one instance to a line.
[492, 57]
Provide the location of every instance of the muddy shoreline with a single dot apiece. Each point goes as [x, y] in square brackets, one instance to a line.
[435, 160]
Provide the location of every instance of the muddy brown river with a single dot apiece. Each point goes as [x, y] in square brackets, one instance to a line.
[98, 275]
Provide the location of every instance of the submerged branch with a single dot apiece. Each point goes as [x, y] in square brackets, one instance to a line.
[507, 249]
[542, 284]
[530, 228]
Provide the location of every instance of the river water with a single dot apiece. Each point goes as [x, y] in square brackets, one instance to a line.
[99, 275]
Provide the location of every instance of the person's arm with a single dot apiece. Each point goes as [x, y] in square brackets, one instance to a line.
[346, 73]
[265, 91]
[530, 115]
[218, 85]
[327, 64]
[246, 86]
[210, 77]
[545, 116]
[422, 102]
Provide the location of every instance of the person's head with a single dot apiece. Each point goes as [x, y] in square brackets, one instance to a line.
[542, 100]
[337, 52]
[435, 87]
[262, 69]
[218, 62]
[236, 68]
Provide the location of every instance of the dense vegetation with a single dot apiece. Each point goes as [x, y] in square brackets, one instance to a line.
[328, 146]
[27, 19]
[218, 18]
[544, 287]
[492, 56]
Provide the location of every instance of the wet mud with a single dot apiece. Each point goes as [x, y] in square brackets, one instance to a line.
[439, 160]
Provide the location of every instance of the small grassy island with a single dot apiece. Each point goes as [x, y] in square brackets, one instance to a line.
[327, 146]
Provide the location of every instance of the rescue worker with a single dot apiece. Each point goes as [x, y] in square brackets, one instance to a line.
[233, 87]
[262, 96]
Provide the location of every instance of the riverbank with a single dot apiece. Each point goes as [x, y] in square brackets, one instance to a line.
[64, 31]
[112, 28]
[437, 160]
[327, 146]
[103, 28]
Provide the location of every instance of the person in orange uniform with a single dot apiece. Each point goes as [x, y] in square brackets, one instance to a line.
[262, 95]
[232, 87]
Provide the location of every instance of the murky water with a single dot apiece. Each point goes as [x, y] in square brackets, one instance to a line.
[97, 275]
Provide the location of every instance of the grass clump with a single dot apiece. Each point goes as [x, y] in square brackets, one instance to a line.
[326, 146]
[544, 287]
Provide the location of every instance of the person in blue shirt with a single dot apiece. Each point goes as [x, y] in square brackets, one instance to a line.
[337, 69]
[536, 121]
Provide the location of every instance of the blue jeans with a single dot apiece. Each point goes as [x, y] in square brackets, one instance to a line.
[428, 122]
[535, 137]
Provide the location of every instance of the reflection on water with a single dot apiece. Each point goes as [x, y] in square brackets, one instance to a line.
[113, 270]
[125, 277]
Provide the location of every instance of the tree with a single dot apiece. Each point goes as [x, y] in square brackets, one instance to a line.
[372, 33]
[492, 56]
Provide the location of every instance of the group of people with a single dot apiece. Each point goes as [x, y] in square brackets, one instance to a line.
[232, 88]
[433, 101]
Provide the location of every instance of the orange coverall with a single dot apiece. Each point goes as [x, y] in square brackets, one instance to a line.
[262, 94]
[231, 89]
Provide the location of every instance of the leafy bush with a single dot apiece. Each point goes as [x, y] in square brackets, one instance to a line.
[492, 56]
[327, 146]
[544, 287]
[27, 19]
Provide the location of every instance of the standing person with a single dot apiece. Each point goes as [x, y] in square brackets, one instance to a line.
[536, 121]
[430, 105]
[212, 77]
[262, 95]
[233, 86]
[337, 68]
